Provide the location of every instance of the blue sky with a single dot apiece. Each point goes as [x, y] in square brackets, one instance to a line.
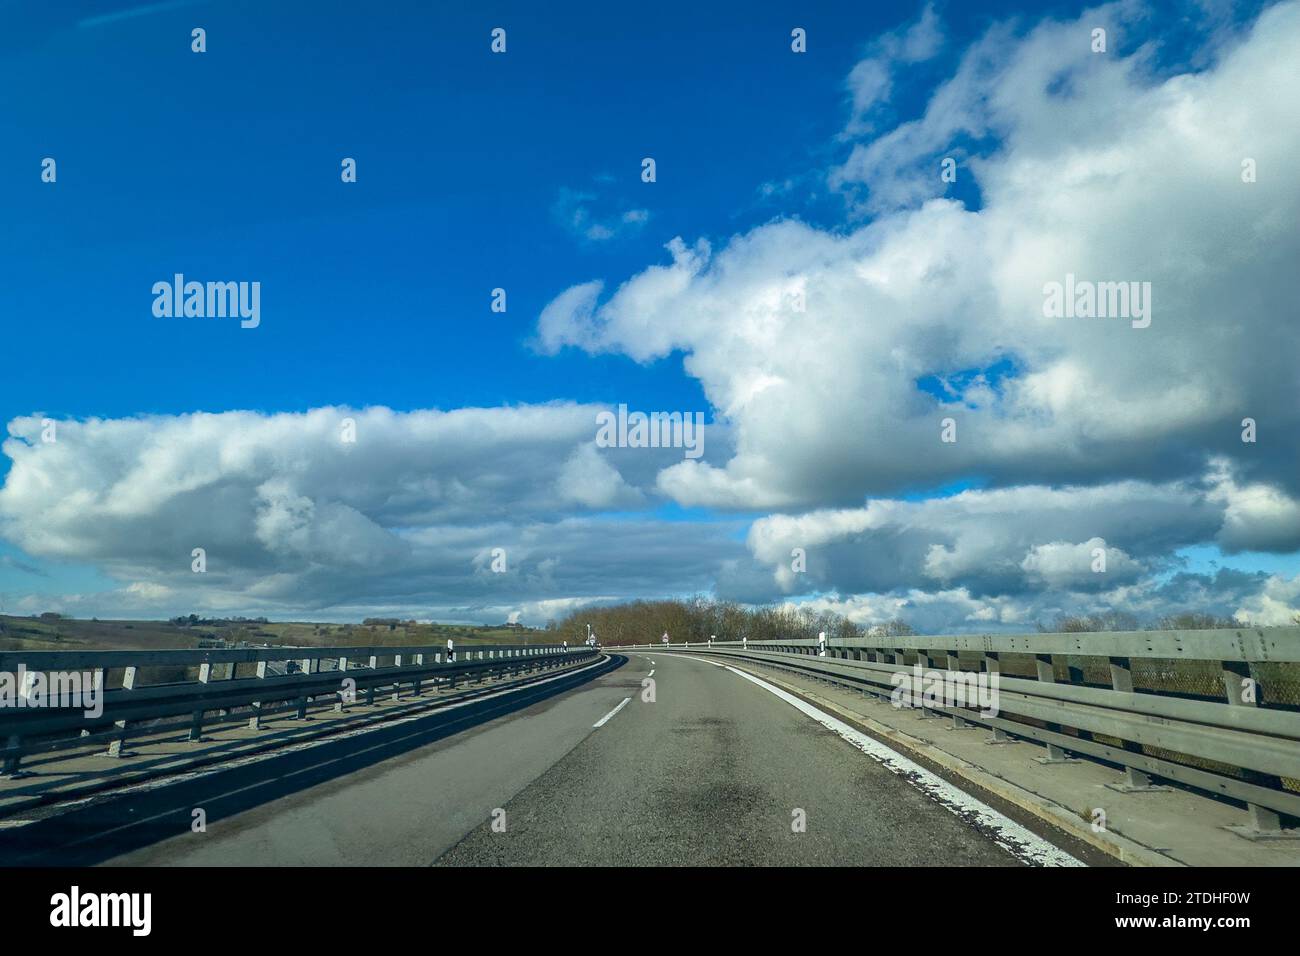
[227, 164]
[478, 171]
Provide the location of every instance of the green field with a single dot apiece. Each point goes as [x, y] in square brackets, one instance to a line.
[52, 634]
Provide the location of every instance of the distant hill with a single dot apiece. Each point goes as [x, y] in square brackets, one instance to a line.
[54, 632]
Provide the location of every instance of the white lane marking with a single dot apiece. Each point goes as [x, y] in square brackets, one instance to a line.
[1021, 843]
[652, 673]
[601, 722]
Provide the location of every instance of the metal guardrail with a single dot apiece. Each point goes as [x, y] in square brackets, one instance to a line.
[295, 678]
[1215, 710]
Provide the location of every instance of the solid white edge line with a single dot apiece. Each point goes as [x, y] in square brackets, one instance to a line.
[1020, 842]
[601, 722]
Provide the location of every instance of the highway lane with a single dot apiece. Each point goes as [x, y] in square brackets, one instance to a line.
[408, 810]
[715, 771]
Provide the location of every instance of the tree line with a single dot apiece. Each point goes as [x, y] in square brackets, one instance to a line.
[696, 619]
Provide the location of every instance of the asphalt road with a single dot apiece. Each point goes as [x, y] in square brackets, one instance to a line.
[712, 774]
[715, 771]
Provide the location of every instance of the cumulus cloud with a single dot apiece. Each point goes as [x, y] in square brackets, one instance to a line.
[1087, 565]
[836, 357]
[834, 361]
[1257, 517]
[929, 612]
[588, 479]
[1277, 604]
[291, 516]
[1004, 541]
[811, 343]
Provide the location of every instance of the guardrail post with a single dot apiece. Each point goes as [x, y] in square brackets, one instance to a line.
[128, 683]
[992, 665]
[255, 721]
[370, 691]
[196, 718]
[872, 695]
[1262, 823]
[954, 664]
[307, 666]
[99, 691]
[343, 666]
[230, 675]
[923, 658]
[417, 685]
[1047, 674]
[397, 682]
[1135, 780]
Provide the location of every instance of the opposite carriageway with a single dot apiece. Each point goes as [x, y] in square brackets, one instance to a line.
[194, 690]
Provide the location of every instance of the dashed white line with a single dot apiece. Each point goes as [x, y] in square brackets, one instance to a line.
[601, 722]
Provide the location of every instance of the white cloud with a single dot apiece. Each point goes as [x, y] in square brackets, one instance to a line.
[291, 517]
[870, 83]
[1006, 541]
[1257, 517]
[1082, 566]
[584, 214]
[1276, 605]
[812, 346]
[588, 479]
[1099, 170]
